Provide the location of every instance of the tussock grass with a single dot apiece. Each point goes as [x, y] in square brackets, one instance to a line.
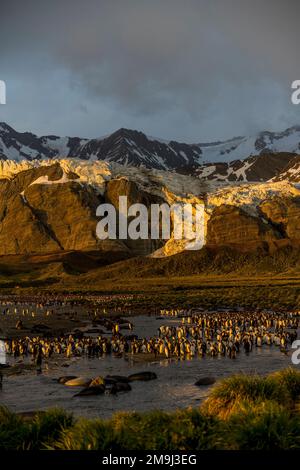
[13, 431]
[290, 379]
[156, 430]
[226, 396]
[19, 434]
[46, 428]
[265, 426]
[86, 435]
[181, 430]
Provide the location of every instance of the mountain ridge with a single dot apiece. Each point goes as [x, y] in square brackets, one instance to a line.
[236, 159]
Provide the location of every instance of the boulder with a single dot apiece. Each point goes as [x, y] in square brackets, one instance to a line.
[205, 381]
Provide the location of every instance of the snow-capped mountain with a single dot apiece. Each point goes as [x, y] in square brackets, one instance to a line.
[27, 146]
[240, 148]
[127, 147]
[257, 168]
[291, 172]
[256, 158]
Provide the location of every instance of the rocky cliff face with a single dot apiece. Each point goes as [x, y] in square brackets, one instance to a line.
[284, 213]
[51, 207]
[124, 187]
[48, 209]
[232, 226]
[40, 214]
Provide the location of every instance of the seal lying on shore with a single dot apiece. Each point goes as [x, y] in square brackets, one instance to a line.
[65, 378]
[78, 382]
[97, 381]
[119, 387]
[97, 386]
[88, 391]
[117, 378]
[144, 376]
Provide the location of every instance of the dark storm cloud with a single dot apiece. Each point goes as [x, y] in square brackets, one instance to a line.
[195, 70]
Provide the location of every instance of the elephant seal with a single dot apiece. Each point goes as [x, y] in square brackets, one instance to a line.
[97, 381]
[144, 376]
[89, 391]
[78, 382]
[205, 381]
[65, 378]
[117, 378]
[109, 381]
[120, 387]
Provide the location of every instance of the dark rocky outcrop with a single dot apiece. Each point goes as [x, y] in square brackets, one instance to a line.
[232, 226]
[284, 213]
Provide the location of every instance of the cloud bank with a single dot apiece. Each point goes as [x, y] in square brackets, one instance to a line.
[192, 71]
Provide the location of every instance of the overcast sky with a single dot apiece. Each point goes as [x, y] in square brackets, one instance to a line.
[192, 70]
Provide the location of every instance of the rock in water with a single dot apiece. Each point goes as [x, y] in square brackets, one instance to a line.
[205, 381]
[144, 376]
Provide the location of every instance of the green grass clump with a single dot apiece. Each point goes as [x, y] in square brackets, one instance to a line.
[87, 435]
[13, 430]
[182, 430]
[46, 428]
[290, 379]
[156, 430]
[17, 433]
[226, 396]
[266, 426]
